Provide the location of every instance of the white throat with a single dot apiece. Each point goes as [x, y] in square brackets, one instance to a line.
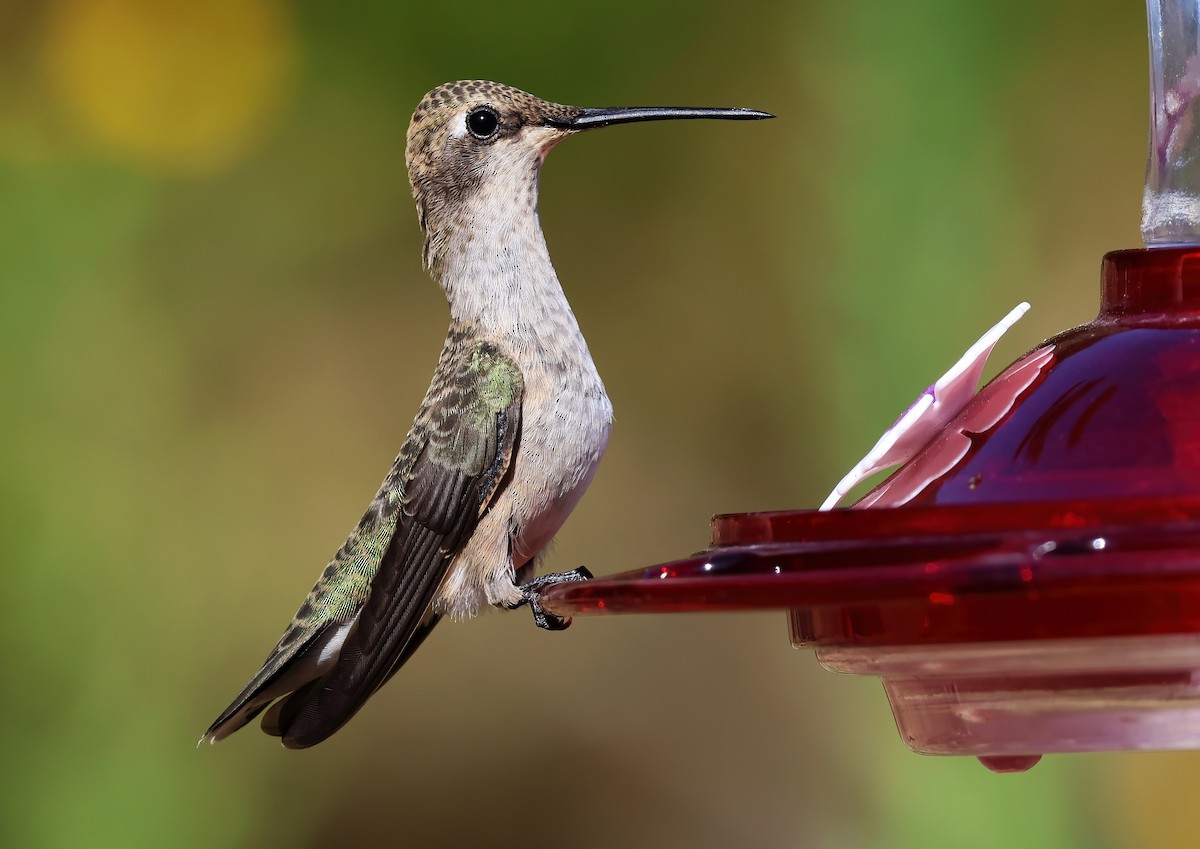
[493, 262]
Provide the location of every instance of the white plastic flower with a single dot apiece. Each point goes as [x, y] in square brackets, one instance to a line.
[929, 414]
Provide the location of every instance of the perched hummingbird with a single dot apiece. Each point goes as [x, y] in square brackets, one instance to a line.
[504, 444]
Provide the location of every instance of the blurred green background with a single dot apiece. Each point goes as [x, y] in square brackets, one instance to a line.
[215, 331]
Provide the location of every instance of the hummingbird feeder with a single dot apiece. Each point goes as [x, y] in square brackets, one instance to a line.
[1028, 581]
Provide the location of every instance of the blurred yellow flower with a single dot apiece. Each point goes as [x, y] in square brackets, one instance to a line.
[178, 86]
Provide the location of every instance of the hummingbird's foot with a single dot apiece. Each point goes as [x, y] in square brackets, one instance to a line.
[531, 590]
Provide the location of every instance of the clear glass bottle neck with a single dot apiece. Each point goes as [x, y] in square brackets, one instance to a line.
[1171, 204]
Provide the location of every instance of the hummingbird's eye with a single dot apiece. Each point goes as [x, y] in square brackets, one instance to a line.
[483, 123]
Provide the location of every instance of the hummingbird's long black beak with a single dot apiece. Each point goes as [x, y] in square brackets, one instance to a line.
[607, 116]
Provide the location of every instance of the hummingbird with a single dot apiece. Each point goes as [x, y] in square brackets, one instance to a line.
[505, 442]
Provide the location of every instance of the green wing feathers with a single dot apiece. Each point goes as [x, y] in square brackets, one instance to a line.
[376, 592]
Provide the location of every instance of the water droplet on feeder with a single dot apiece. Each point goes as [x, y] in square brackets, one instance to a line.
[1009, 763]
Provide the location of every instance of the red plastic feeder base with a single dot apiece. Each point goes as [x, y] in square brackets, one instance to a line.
[1030, 581]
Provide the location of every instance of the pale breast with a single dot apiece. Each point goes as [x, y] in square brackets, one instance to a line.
[565, 422]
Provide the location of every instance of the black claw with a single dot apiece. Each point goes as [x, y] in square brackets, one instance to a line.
[548, 621]
[532, 589]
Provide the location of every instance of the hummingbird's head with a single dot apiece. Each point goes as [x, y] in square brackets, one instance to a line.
[475, 135]
[478, 145]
